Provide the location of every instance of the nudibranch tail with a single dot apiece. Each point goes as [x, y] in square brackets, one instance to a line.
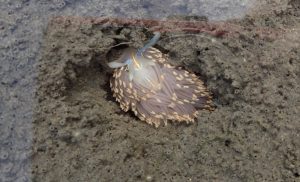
[151, 43]
[135, 56]
[155, 91]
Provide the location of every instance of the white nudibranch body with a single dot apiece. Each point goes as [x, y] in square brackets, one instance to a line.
[140, 72]
[154, 90]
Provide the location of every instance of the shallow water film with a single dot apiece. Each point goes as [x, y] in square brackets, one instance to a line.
[59, 120]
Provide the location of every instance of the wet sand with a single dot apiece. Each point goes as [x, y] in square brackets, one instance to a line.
[59, 121]
[81, 134]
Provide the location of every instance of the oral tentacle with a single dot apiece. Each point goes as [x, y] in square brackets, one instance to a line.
[115, 64]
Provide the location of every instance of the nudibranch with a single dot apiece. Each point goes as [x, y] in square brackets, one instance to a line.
[154, 90]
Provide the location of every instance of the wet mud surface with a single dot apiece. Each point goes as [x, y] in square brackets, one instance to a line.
[59, 122]
[81, 134]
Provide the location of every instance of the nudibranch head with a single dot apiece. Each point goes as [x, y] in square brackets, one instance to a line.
[156, 91]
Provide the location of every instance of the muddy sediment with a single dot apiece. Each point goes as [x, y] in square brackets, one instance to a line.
[81, 134]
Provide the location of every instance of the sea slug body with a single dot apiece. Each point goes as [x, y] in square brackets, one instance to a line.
[154, 90]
